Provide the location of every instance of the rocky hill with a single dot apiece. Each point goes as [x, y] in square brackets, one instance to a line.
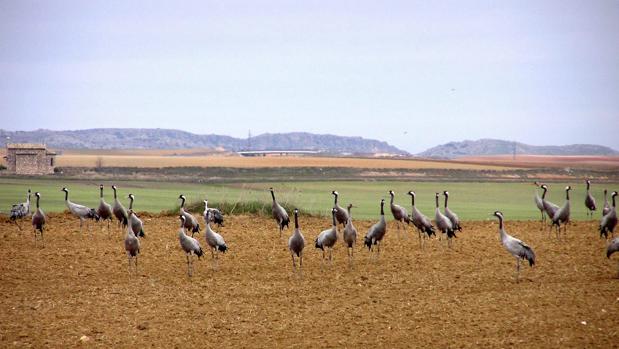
[501, 147]
[122, 138]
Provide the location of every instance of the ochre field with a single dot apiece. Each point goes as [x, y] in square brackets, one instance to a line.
[533, 161]
[78, 286]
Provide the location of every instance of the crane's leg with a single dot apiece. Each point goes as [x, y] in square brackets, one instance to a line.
[128, 263]
[42, 239]
[294, 265]
[81, 223]
[517, 269]
[330, 255]
[136, 265]
[188, 267]
[35, 236]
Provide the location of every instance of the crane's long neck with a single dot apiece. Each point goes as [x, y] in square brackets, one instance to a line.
[446, 198]
[544, 193]
[501, 228]
[28, 198]
[382, 209]
[296, 220]
[413, 200]
[333, 218]
[66, 196]
[392, 196]
[588, 185]
[335, 203]
[273, 195]
[101, 192]
[614, 200]
[567, 195]
[131, 202]
[436, 200]
[182, 202]
[38, 202]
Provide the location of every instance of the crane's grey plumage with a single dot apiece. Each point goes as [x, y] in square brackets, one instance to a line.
[341, 216]
[104, 210]
[296, 243]
[279, 214]
[191, 223]
[516, 247]
[377, 232]
[609, 221]
[80, 211]
[562, 215]
[214, 240]
[350, 236]
[589, 200]
[399, 214]
[539, 203]
[119, 211]
[606, 208]
[215, 215]
[327, 238]
[38, 220]
[420, 221]
[549, 207]
[455, 220]
[443, 223]
[21, 210]
[189, 245]
[132, 247]
[134, 222]
[613, 247]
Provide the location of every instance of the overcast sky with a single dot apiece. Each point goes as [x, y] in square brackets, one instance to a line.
[414, 74]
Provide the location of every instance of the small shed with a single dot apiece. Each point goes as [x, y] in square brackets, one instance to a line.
[29, 159]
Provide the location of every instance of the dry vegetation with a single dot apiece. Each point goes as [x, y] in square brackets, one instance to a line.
[79, 286]
[536, 161]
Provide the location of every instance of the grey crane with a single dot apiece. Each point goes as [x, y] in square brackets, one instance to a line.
[133, 221]
[539, 203]
[377, 232]
[562, 215]
[341, 216]
[420, 221]
[606, 208]
[214, 240]
[189, 245]
[399, 214]
[455, 221]
[215, 214]
[516, 247]
[104, 210]
[609, 221]
[119, 211]
[443, 223]
[21, 210]
[350, 236]
[38, 220]
[80, 211]
[589, 200]
[327, 238]
[296, 243]
[279, 214]
[132, 247]
[549, 207]
[191, 222]
[613, 247]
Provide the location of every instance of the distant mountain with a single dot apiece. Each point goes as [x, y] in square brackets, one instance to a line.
[125, 138]
[483, 147]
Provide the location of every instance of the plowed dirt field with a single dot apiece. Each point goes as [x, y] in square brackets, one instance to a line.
[76, 291]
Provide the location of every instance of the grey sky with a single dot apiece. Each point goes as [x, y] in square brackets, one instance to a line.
[415, 74]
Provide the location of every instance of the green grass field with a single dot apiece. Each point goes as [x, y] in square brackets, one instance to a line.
[472, 201]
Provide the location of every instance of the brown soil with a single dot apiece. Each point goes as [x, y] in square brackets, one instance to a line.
[533, 161]
[78, 287]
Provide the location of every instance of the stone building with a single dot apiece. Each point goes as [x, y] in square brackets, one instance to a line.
[29, 159]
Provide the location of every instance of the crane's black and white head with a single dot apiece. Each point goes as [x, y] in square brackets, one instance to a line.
[37, 194]
[296, 211]
[100, 186]
[446, 193]
[391, 193]
[411, 193]
[568, 188]
[334, 192]
[587, 181]
[544, 186]
[181, 196]
[271, 189]
[65, 190]
[131, 196]
[350, 206]
[437, 195]
[113, 186]
[382, 202]
[498, 214]
[29, 191]
[613, 194]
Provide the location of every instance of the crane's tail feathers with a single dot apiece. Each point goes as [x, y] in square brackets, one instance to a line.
[527, 253]
[367, 242]
[451, 233]
[196, 229]
[223, 248]
[430, 231]
[199, 252]
[141, 233]
[318, 245]
[284, 223]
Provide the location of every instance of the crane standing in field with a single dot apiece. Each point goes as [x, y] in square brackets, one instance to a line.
[214, 240]
[38, 220]
[296, 243]
[562, 215]
[516, 247]
[589, 200]
[539, 203]
[350, 237]
[21, 210]
[104, 210]
[613, 247]
[377, 232]
[549, 207]
[399, 214]
[609, 221]
[119, 211]
[443, 223]
[134, 222]
[215, 215]
[606, 208]
[190, 221]
[421, 222]
[132, 247]
[189, 245]
[455, 220]
[341, 216]
[327, 238]
[80, 211]
[279, 214]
